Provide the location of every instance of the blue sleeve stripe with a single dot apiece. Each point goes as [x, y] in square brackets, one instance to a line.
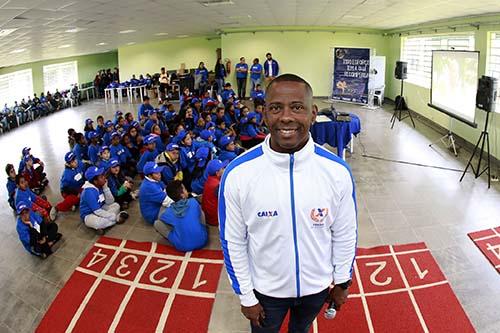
[332, 157]
[252, 154]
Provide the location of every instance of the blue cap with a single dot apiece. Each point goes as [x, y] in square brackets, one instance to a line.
[135, 124]
[93, 172]
[225, 140]
[115, 134]
[108, 123]
[70, 156]
[26, 150]
[194, 100]
[215, 165]
[26, 158]
[172, 146]
[118, 113]
[93, 135]
[151, 112]
[22, 206]
[209, 124]
[151, 138]
[201, 155]
[102, 149]
[251, 115]
[206, 134]
[88, 121]
[113, 163]
[152, 167]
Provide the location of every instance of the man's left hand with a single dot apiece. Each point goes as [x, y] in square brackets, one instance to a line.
[338, 295]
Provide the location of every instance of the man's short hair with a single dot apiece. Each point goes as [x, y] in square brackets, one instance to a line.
[174, 190]
[268, 54]
[145, 98]
[289, 78]
[242, 58]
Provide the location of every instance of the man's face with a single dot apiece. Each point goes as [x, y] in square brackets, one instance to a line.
[289, 114]
[269, 57]
[242, 60]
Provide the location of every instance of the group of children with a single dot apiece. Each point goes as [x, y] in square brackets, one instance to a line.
[178, 155]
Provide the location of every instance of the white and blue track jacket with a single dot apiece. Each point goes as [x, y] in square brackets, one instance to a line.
[287, 222]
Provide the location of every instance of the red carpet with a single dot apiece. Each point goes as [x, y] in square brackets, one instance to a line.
[126, 286]
[397, 289]
[488, 241]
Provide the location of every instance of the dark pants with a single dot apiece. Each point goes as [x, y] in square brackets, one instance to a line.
[49, 230]
[242, 87]
[303, 311]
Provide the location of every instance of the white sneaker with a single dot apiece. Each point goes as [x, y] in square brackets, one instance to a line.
[53, 214]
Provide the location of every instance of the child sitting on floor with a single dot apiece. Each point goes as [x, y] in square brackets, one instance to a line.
[209, 200]
[72, 181]
[183, 222]
[37, 236]
[11, 185]
[119, 185]
[35, 202]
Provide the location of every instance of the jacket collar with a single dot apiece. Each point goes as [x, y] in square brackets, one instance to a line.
[282, 160]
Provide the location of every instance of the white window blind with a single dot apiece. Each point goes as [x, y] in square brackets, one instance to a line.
[493, 61]
[60, 76]
[15, 86]
[417, 52]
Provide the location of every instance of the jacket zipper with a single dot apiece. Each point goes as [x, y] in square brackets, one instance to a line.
[294, 224]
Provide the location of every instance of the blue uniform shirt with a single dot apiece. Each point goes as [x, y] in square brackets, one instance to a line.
[72, 179]
[81, 152]
[93, 153]
[241, 75]
[226, 155]
[144, 110]
[27, 196]
[188, 234]
[256, 71]
[198, 184]
[147, 156]
[120, 153]
[204, 74]
[23, 230]
[91, 199]
[151, 196]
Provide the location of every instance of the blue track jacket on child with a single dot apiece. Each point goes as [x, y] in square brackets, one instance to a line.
[287, 222]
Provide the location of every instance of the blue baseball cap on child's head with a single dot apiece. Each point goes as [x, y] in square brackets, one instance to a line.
[70, 156]
[215, 165]
[201, 156]
[114, 163]
[151, 112]
[151, 138]
[209, 124]
[93, 135]
[181, 136]
[102, 149]
[118, 113]
[26, 150]
[135, 124]
[93, 172]
[22, 206]
[26, 158]
[152, 167]
[172, 146]
[251, 116]
[88, 121]
[108, 123]
[225, 140]
[194, 100]
[206, 134]
[115, 134]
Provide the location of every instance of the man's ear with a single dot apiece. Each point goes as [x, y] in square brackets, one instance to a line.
[314, 113]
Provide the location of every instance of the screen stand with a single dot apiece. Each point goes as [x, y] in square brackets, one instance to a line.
[483, 139]
[398, 110]
[448, 140]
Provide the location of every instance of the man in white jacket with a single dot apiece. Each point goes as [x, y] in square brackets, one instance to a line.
[287, 212]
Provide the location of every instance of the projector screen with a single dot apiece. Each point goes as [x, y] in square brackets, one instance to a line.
[454, 84]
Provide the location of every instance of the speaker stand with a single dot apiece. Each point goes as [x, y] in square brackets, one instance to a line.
[398, 110]
[483, 139]
[448, 140]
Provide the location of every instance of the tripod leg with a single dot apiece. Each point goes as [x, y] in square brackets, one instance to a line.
[488, 152]
[469, 164]
[478, 171]
[411, 118]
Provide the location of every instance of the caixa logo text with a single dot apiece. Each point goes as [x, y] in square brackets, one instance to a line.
[269, 213]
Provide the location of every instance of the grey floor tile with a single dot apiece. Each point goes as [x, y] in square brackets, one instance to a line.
[226, 315]
[389, 221]
[54, 269]
[20, 316]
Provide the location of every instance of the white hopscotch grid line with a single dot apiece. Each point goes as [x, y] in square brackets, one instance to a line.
[172, 292]
[363, 299]
[379, 255]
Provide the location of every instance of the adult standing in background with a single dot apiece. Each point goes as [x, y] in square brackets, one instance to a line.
[220, 75]
[271, 68]
[255, 73]
[201, 78]
[163, 83]
[241, 78]
[287, 214]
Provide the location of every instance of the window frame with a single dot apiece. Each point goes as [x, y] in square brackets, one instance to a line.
[57, 70]
[15, 90]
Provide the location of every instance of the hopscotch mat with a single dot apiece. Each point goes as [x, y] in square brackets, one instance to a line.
[488, 241]
[127, 286]
[397, 289]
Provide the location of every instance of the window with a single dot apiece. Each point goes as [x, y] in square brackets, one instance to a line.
[60, 76]
[493, 61]
[15, 86]
[417, 52]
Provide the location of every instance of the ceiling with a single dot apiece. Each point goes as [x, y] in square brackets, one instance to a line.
[43, 27]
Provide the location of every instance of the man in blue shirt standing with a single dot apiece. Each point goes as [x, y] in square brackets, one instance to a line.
[241, 77]
[255, 73]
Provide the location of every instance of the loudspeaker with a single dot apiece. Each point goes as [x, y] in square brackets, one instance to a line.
[486, 93]
[401, 69]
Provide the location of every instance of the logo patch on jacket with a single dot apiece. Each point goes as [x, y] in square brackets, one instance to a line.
[268, 213]
[318, 215]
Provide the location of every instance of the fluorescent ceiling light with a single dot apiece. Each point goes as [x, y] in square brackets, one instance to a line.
[65, 46]
[131, 43]
[18, 51]
[161, 34]
[6, 32]
[101, 44]
[212, 3]
[75, 30]
[127, 31]
[182, 36]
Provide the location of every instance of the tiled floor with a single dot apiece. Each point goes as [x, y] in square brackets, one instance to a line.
[397, 203]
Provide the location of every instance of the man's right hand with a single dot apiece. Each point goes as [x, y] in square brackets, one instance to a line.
[254, 313]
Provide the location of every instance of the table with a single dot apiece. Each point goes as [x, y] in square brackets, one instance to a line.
[111, 92]
[87, 92]
[131, 90]
[336, 133]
